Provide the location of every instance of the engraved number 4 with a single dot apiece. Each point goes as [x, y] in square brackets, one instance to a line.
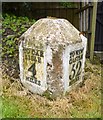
[32, 69]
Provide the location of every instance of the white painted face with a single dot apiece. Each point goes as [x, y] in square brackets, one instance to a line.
[29, 74]
[73, 63]
[33, 67]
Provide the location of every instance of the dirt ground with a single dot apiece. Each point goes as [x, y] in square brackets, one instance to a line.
[82, 102]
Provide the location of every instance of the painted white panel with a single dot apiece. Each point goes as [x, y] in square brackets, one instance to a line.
[73, 63]
[33, 68]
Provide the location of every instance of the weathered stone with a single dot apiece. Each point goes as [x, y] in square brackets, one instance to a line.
[52, 56]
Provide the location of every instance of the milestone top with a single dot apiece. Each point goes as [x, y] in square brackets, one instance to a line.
[52, 31]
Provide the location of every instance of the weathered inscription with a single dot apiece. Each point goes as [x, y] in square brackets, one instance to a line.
[33, 54]
[75, 64]
[34, 64]
[31, 79]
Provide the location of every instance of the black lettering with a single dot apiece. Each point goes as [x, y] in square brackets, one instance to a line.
[32, 69]
[39, 82]
[78, 52]
[77, 58]
[33, 80]
[33, 52]
[28, 57]
[72, 54]
[48, 64]
[36, 45]
[81, 56]
[72, 72]
[35, 59]
[25, 56]
[36, 81]
[32, 58]
[82, 50]
[75, 71]
[27, 51]
[78, 67]
[77, 78]
[37, 54]
[70, 61]
[39, 59]
[27, 78]
[74, 60]
[41, 54]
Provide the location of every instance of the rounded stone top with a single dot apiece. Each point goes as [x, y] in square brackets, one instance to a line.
[53, 31]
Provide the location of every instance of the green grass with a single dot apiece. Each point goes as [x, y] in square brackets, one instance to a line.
[12, 108]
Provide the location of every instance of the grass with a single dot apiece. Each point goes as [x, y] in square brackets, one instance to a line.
[82, 102]
[12, 108]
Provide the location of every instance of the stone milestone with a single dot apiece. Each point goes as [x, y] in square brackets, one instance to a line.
[52, 57]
